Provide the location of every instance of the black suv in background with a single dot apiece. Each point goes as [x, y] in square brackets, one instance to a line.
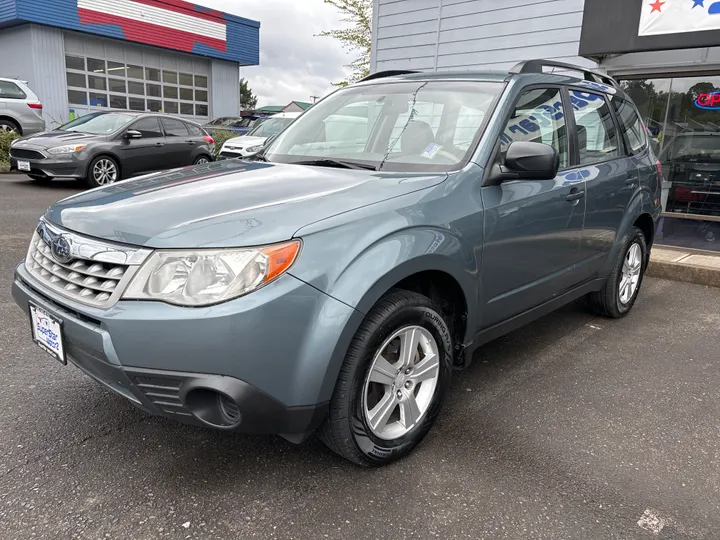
[104, 147]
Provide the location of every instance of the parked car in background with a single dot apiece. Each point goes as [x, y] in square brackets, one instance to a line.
[337, 286]
[236, 124]
[104, 147]
[254, 141]
[20, 108]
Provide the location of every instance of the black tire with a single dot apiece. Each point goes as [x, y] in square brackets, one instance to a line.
[9, 125]
[200, 159]
[40, 179]
[346, 430]
[607, 301]
[90, 180]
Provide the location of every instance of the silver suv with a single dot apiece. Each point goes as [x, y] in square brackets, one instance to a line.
[20, 108]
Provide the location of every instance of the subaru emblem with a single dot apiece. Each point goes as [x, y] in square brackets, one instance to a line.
[60, 249]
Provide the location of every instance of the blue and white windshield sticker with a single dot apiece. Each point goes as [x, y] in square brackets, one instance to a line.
[431, 150]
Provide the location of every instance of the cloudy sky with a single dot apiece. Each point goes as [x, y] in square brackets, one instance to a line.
[294, 63]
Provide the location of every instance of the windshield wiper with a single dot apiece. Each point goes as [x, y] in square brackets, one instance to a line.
[340, 164]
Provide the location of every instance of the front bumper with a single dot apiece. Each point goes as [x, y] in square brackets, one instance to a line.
[269, 352]
[61, 166]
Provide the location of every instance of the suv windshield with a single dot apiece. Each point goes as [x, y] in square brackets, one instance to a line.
[98, 123]
[271, 126]
[400, 126]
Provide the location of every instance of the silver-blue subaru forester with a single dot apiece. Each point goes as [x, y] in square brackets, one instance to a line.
[336, 281]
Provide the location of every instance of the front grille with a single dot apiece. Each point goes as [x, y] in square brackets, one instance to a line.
[229, 154]
[87, 281]
[21, 153]
[163, 393]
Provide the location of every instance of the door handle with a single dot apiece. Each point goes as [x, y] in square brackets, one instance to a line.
[190, 142]
[575, 195]
[159, 144]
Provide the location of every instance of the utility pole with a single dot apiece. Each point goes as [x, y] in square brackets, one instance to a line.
[314, 98]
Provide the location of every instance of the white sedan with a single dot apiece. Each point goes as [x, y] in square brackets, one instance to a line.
[250, 144]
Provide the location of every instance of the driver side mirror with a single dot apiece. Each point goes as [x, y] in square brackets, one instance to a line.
[526, 161]
[133, 134]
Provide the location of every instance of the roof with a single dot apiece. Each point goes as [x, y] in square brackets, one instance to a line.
[302, 104]
[494, 76]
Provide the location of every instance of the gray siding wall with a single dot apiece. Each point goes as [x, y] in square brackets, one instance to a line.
[35, 54]
[48, 52]
[225, 84]
[474, 34]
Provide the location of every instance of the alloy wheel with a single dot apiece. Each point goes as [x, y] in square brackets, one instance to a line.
[202, 161]
[7, 128]
[105, 172]
[401, 382]
[631, 269]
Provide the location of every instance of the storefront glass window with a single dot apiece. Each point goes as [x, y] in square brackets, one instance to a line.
[683, 119]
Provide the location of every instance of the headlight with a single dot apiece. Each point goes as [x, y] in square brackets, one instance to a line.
[204, 277]
[67, 149]
[254, 148]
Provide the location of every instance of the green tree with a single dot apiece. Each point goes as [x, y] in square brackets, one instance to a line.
[248, 100]
[356, 38]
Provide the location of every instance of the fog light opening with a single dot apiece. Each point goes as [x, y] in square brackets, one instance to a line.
[213, 408]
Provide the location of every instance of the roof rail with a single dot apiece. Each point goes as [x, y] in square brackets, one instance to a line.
[388, 73]
[536, 66]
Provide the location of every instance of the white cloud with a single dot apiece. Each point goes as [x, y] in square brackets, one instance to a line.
[294, 62]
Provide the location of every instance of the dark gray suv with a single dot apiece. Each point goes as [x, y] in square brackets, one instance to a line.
[335, 282]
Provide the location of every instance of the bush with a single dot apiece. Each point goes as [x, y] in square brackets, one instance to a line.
[220, 137]
[5, 139]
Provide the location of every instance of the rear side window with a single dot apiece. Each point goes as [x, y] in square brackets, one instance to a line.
[597, 138]
[174, 128]
[631, 125]
[11, 90]
[149, 127]
[194, 130]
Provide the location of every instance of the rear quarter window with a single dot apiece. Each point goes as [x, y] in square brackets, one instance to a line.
[630, 125]
[10, 90]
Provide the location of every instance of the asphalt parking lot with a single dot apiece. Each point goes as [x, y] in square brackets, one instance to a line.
[573, 427]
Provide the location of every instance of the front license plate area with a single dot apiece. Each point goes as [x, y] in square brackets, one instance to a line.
[47, 333]
[23, 165]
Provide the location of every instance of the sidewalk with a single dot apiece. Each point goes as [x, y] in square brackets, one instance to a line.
[689, 265]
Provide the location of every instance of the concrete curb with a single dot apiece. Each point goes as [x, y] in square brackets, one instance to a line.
[689, 266]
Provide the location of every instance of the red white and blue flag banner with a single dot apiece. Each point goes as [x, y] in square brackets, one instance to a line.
[165, 23]
[660, 17]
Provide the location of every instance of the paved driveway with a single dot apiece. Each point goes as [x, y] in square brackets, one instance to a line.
[573, 427]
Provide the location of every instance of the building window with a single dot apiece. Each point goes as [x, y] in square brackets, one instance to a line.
[76, 97]
[75, 62]
[95, 65]
[100, 83]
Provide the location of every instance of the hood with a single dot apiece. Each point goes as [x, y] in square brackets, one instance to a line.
[227, 204]
[245, 141]
[49, 139]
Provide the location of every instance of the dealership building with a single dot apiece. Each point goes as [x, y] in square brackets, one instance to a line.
[665, 53]
[144, 55]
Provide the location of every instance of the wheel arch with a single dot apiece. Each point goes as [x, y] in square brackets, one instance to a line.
[640, 213]
[12, 120]
[105, 153]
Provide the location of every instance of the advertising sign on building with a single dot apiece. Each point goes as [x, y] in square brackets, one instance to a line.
[679, 16]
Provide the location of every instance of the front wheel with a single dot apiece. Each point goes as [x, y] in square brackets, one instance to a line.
[621, 289]
[103, 170]
[392, 383]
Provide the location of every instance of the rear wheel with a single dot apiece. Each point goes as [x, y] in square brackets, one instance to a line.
[8, 126]
[103, 170]
[202, 160]
[621, 289]
[392, 383]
